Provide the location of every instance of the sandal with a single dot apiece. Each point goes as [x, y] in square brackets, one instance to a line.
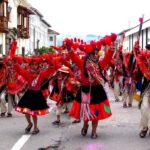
[76, 121]
[143, 132]
[124, 105]
[35, 131]
[27, 130]
[66, 112]
[129, 105]
[84, 131]
[57, 122]
[3, 114]
[94, 136]
[9, 115]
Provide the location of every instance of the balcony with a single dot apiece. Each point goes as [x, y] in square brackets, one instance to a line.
[23, 32]
[20, 31]
[3, 24]
[26, 33]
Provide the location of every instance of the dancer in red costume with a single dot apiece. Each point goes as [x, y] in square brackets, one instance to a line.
[91, 103]
[13, 81]
[143, 60]
[33, 102]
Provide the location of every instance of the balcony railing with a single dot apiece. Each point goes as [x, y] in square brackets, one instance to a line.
[23, 32]
[3, 24]
[26, 33]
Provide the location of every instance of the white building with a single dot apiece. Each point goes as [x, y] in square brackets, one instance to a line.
[52, 37]
[14, 23]
[132, 33]
[38, 31]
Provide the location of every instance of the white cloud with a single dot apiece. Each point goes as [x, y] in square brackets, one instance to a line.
[80, 17]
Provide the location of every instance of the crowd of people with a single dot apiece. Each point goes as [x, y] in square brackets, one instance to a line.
[77, 73]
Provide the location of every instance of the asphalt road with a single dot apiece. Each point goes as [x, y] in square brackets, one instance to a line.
[119, 132]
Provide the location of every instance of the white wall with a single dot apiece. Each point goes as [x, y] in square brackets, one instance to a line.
[38, 31]
[2, 42]
[131, 37]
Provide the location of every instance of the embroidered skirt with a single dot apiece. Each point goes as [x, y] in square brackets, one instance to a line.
[33, 103]
[97, 109]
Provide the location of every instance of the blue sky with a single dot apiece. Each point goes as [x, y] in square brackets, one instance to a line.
[99, 17]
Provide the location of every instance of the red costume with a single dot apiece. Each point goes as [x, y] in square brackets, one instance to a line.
[91, 90]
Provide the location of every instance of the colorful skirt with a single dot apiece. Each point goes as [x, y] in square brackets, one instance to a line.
[33, 103]
[65, 96]
[97, 109]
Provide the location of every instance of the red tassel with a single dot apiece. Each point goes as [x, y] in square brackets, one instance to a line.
[113, 37]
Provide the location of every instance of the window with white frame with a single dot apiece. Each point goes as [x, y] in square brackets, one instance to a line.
[51, 38]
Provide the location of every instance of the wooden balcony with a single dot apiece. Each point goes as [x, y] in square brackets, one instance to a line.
[23, 32]
[26, 33]
[20, 31]
[3, 24]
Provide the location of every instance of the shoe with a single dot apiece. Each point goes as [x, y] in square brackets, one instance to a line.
[124, 105]
[143, 132]
[56, 122]
[66, 112]
[116, 100]
[84, 131]
[76, 121]
[3, 114]
[9, 115]
[94, 136]
[129, 105]
[27, 130]
[35, 131]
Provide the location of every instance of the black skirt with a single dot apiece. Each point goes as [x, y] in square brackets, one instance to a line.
[33, 103]
[98, 94]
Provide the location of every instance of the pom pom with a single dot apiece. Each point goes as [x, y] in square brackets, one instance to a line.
[67, 43]
[141, 20]
[81, 47]
[93, 44]
[88, 48]
[108, 40]
[103, 42]
[46, 56]
[98, 44]
[75, 39]
[75, 46]
[113, 37]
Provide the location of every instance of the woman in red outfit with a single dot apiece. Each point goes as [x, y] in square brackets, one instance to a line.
[33, 102]
[91, 103]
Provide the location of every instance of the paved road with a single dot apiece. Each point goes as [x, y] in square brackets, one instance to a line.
[120, 132]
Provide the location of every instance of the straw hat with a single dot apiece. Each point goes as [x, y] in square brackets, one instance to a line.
[64, 69]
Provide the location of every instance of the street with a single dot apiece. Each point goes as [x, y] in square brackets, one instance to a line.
[121, 131]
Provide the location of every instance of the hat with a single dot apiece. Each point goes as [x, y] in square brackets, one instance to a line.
[147, 46]
[64, 69]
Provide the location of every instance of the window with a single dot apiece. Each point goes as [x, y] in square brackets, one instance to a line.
[1, 8]
[51, 38]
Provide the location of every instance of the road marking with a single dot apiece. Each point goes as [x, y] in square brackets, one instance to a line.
[24, 138]
[21, 142]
